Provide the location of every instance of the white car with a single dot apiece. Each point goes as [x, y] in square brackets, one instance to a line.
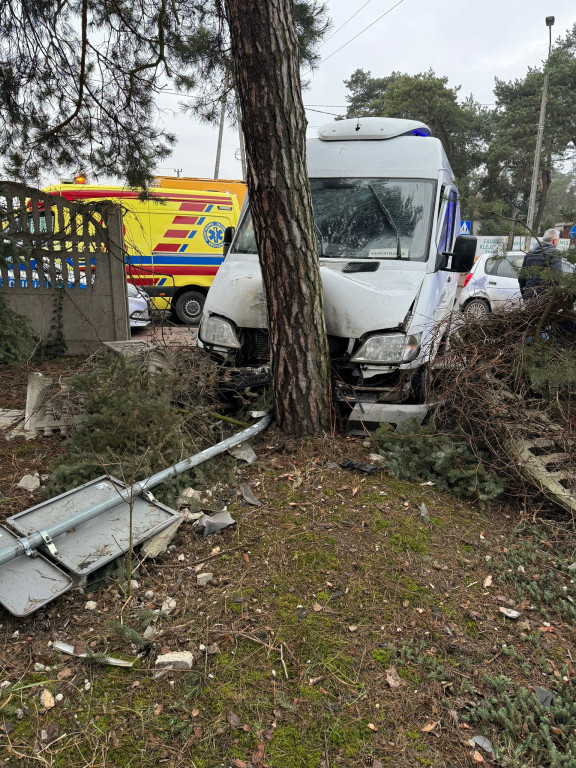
[138, 306]
[492, 283]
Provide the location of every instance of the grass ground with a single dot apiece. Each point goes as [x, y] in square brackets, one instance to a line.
[341, 628]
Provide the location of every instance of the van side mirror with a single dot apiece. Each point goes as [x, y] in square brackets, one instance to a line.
[228, 237]
[461, 258]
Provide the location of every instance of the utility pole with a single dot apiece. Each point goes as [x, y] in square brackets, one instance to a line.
[177, 171]
[536, 168]
[220, 135]
[241, 137]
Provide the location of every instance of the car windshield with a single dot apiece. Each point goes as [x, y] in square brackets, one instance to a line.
[365, 219]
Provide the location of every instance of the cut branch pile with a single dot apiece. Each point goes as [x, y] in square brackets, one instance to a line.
[509, 381]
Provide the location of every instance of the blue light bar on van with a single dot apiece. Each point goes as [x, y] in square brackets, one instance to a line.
[418, 132]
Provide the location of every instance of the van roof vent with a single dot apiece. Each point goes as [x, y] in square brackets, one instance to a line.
[371, 128]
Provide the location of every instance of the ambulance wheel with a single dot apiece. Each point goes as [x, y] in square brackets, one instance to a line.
[189, 307]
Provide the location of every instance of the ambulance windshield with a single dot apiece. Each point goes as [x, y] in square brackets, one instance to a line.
[365, 219]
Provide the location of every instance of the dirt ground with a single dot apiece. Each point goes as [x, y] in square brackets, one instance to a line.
[345, 624]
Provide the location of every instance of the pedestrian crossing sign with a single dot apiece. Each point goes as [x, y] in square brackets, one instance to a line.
[465, 227]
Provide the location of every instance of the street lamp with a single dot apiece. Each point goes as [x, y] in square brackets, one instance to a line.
[532, 199]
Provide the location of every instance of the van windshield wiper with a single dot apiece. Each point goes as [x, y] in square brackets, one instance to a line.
[389, 219]
[321, 241]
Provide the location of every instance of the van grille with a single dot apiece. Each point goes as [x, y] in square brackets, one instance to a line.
[256, 345]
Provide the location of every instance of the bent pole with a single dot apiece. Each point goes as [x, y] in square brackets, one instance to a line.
[30, 543]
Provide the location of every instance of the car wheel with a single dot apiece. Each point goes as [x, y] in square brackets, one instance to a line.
[477, 308]
[189, 307]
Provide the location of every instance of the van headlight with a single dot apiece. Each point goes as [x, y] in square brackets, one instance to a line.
[217, 331]
[389, 348]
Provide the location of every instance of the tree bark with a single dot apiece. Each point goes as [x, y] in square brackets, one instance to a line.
[546, 180]
[266, 63]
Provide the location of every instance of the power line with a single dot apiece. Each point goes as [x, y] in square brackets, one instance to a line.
[362, 32]
[346, 22]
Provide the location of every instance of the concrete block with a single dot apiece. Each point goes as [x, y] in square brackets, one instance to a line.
[182, 660]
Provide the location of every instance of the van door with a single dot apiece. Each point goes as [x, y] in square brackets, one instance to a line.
[446, 283]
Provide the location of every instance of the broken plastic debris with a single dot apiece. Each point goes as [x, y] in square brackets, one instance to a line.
[510, 613]
[249, 497]
[211, 524]
[482, 742]
[366, 469]
[544, 697]
[244, 451]
[69, 649]
[158, 544]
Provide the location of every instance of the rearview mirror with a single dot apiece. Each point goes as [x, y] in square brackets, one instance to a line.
[228, 237]
[461, 258]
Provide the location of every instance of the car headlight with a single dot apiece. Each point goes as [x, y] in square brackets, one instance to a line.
[215, 330]
[389, 348]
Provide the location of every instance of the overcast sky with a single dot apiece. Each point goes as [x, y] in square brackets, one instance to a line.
[470, 42]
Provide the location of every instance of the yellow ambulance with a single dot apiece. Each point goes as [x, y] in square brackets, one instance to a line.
[173, 240]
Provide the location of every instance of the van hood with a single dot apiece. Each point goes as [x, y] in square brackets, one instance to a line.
[352, 307]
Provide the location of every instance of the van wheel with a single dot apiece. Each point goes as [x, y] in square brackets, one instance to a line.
[477, 308]
[189, 307]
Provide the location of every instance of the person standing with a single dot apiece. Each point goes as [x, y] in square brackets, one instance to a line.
[542, 257]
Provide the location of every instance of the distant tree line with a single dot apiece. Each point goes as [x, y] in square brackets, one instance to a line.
[491, 149]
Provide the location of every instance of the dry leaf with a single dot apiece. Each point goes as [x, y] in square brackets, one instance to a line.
[234, 720]
[393, 678]
[430, 726]
[239, 763]
[355, 490]
[316, 607]
[372, 727]
[556, 731]
[158, 709]
[546, 629]
[195, 712]
[477, 757]
[64, 674]
[46, 699]
[487, 582]
[352, 628]
[245, 558]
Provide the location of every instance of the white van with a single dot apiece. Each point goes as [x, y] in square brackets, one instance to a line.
[387, 216]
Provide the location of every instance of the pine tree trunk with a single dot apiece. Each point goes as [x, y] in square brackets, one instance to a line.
[546, 181]
[265, 54]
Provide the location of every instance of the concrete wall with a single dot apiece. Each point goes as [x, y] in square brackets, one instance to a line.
[49, 275]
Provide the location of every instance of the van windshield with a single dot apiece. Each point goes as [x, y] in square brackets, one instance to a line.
[365, 219]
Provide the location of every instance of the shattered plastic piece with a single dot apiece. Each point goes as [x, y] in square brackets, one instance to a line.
[249, 497]
[69, 649]
[544, 697]
[366, 469]
[244, 452]
[158, 544]
[211, 524]
[510, 613]
[482, 742]
[423, 510]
